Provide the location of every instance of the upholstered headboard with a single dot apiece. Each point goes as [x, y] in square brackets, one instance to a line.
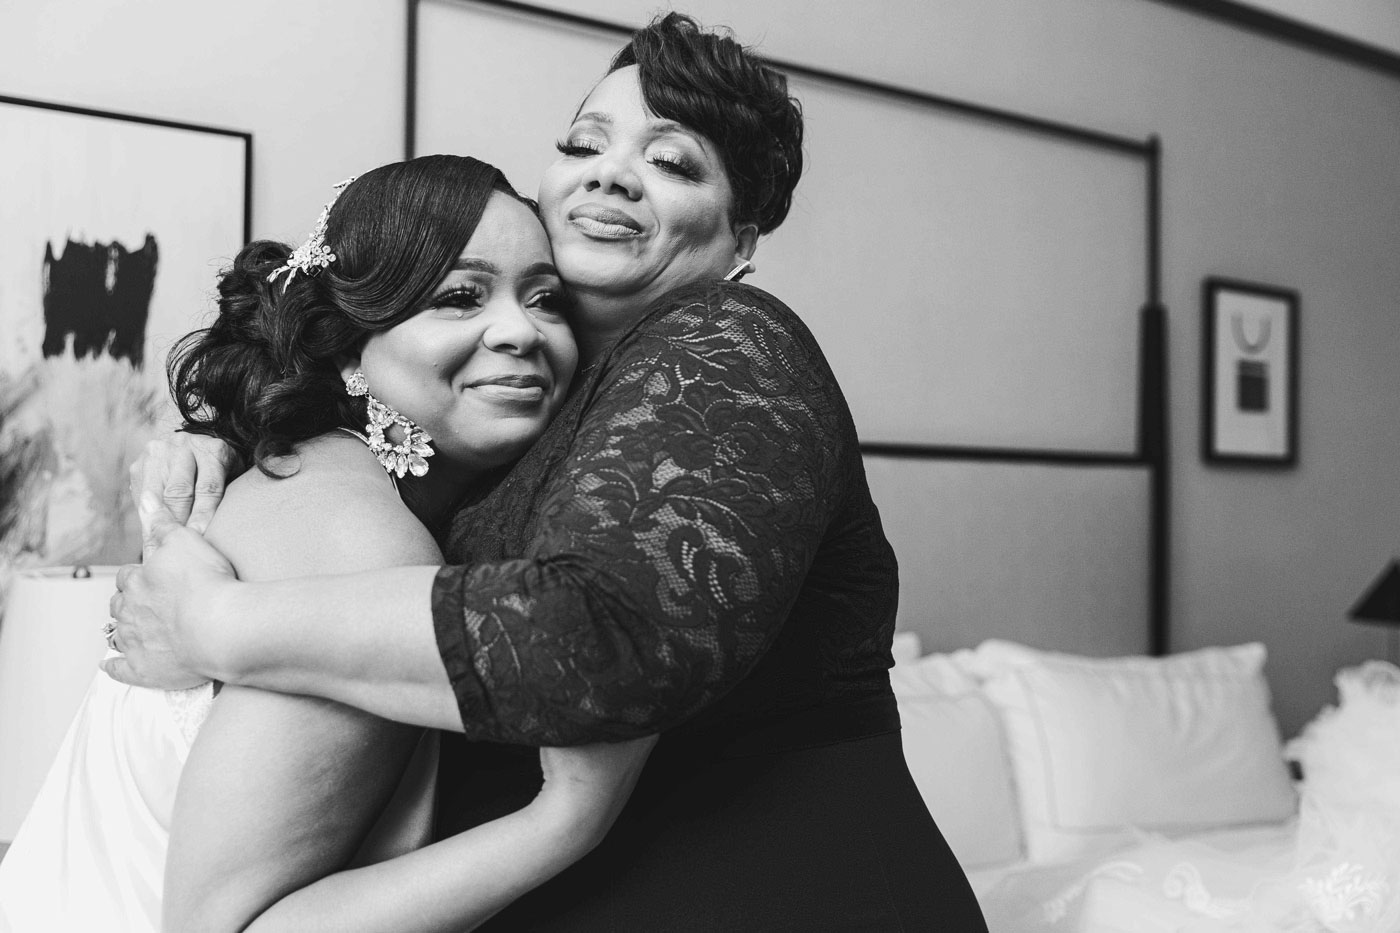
[985, 284]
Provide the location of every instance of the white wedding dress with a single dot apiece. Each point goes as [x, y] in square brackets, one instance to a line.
[90, 854]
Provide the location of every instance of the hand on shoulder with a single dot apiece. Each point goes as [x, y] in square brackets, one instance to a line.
[182, 474]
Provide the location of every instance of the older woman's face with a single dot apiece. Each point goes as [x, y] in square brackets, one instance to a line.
[635, 205]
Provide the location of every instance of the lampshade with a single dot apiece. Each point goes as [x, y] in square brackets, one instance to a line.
[50, 645]
[1381, 604]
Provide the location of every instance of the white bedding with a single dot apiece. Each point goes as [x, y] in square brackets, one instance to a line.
[1209, 882]
[1150, 795]
[1335, 868]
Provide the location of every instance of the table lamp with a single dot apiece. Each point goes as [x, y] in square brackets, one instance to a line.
[50, 645]
[1381, 606]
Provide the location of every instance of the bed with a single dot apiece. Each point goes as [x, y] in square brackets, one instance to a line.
[1136, 794]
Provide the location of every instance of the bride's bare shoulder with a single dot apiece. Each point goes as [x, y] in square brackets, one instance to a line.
[328, 508]
[326, 464]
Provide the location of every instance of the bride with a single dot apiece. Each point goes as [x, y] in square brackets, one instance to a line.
[419, 331]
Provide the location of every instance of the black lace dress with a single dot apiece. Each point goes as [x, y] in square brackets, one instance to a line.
[692, 549]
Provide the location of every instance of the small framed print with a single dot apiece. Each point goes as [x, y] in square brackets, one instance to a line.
[1251, 374]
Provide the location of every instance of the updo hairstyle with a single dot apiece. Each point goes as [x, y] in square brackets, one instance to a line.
[713, 85]
[265, 375]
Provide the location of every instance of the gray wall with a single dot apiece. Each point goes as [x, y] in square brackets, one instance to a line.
[1279, 166]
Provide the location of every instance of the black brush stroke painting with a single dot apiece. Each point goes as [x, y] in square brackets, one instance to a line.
[100, 295]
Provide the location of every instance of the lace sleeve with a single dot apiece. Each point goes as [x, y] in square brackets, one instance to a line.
[673, 536]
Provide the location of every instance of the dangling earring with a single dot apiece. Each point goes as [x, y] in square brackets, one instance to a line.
[739, 271]
[410, 455]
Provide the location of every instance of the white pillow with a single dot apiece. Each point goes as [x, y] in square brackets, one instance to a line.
[955, 748]
[905, 647]
[1100, 747]
[932, 674]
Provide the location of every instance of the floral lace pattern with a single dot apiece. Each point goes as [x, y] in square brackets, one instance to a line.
[1184, 883]
[698, 505]
[189, 708]
[1349, 896]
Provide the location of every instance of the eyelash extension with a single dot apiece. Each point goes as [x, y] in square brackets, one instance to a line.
[552, 300]
[675, 166]
[679, 167]
[452, 298]
[568, 148]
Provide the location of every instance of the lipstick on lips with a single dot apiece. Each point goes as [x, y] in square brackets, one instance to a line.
[607, 223]
[529, 388]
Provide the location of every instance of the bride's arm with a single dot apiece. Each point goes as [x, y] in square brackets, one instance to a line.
[460, 882]
[280, 791]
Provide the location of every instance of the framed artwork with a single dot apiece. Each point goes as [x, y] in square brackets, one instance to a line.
[1250, 374]
[115, 227]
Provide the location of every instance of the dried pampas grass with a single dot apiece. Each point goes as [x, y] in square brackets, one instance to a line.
[69, 429]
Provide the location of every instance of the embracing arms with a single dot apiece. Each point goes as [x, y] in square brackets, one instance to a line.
[280, 791]
[365, 640]
[267, 821]
[670, 542]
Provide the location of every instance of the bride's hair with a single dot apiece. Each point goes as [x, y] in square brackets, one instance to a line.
[265, 375]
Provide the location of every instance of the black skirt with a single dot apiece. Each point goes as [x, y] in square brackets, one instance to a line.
[834, 837]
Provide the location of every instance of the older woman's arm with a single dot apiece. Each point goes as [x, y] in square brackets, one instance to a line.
[363, 639]
[673, 543]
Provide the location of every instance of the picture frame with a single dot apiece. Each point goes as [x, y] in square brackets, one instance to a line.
[96, 178]
[116, 228]
[1249, 373]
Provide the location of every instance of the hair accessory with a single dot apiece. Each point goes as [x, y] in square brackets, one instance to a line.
[313, 255]
[739, 271]
[411, 454]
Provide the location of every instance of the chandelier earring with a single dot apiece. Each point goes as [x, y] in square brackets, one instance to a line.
[409, 455]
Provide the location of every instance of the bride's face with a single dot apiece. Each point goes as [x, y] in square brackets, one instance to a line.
[485, 366]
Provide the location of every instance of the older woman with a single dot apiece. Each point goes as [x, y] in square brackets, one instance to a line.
[691, 547]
